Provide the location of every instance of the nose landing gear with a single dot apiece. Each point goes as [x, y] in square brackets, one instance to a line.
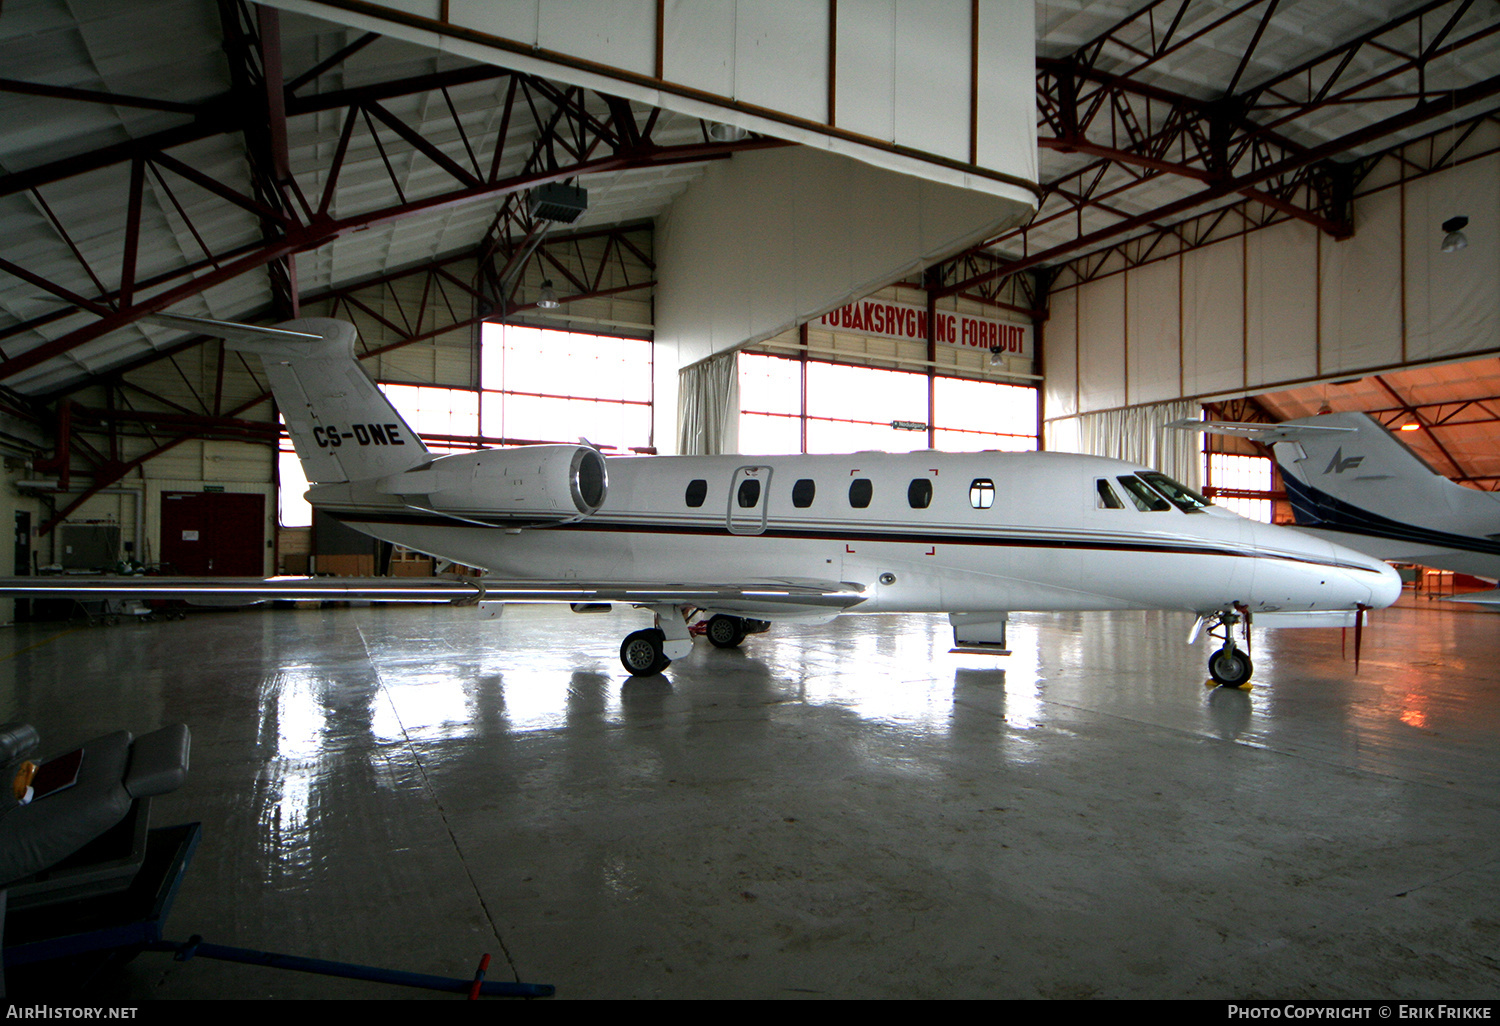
[1228, 666]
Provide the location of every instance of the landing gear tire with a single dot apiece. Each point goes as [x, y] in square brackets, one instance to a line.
[641, 653]
[1229, 668]
[726, 631]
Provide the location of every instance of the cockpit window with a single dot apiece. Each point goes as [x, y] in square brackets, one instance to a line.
[1107, 497]
[1183, 498]
[1144, 498]
[697, 489]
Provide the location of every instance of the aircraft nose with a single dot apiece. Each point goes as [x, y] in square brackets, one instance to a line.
[1376, 576]
[1332, 576]
[1385, 589]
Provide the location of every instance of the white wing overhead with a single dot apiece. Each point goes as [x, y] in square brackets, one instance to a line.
[1267, 433]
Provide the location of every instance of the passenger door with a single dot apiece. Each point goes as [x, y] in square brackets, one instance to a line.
[748, 497]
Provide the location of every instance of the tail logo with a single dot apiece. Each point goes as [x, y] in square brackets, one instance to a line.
[1338, 464]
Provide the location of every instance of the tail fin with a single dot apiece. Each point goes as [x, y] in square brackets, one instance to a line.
[1364, 466]
[342, 425]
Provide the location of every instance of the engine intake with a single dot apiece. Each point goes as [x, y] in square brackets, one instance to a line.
[526, 486]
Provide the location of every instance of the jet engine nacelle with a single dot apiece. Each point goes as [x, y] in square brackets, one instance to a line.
[533, 484]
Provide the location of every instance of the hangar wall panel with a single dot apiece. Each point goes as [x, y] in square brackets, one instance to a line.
[1281, 313]
[865, 68]
[698, 43]
[900, 74]
[930, 72]
[1101, 343]
[773, 238]
[1153, 332]
[1457, 313]
[1360, 290]
[1213, 318]
[1060, 342]
[1288, 305]
[780, 55]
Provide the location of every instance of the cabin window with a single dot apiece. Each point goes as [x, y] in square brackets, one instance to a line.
[1107, 497]
[919, 493]
[1144, 498]
[697, 491]
[749, 493]
[860, 491]
[981, 493]
[1183, 498]
[803, 492]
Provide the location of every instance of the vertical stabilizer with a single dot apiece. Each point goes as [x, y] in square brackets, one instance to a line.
[342, 425]
[1364, 466]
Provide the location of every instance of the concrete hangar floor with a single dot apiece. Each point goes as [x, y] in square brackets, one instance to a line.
[840, 811]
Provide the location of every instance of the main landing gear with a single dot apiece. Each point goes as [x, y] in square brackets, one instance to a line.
[650, 651]
[642, 654]
[1228, 666]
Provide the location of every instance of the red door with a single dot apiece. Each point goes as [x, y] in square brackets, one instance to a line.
[213, 534]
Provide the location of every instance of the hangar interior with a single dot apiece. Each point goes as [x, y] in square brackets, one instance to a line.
[774, 226]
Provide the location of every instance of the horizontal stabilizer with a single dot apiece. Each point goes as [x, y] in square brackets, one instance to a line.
[1267, 433]
[229, 329]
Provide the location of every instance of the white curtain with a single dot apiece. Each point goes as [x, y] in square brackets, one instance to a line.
[708, 407]
[1138, 434]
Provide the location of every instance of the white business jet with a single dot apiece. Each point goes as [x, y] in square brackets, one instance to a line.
[1351, 480]
[745, 540]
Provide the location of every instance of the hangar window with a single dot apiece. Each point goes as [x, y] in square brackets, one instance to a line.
[538, 385]
[792, 405]
[860, 491]
[697, 490]
[1144, 498]
[803, 492]
[749, 494]
[1243, 484]
[972, 415]
[919, 493]
[1107, 497]
[982, 493]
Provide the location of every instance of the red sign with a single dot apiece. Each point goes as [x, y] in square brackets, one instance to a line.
[885, 319]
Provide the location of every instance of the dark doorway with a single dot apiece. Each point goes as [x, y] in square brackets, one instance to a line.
[213, 534]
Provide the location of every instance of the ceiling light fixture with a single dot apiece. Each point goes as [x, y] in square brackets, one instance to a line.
[1413, 426]
[1455, 240]
[548, 299]
[720, 132]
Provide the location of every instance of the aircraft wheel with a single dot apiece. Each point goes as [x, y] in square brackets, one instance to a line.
[641, 653]
[726, 631]
[1229, 667]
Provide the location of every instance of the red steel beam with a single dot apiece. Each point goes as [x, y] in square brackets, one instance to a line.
[312, 236]
[1454, 100]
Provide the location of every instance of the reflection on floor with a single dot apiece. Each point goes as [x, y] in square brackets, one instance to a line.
[845, 810]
